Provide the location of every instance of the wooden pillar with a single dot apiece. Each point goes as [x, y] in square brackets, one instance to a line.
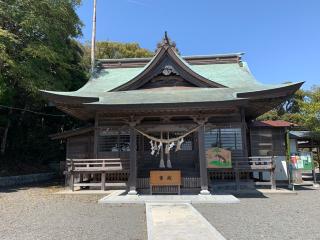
[244, 132]
[273, 179]
[244, 128]
[72, 181]
[202, 160]
[103, 181]
[72, 176]
[133, 161]
[237, 175]
[80, 177]
[96, 137]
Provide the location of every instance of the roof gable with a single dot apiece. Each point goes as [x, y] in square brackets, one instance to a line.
[169, 69]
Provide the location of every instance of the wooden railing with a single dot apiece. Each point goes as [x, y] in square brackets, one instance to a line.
[255, 163]
[96, 165]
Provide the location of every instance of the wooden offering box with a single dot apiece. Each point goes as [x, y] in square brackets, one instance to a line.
[165, 178]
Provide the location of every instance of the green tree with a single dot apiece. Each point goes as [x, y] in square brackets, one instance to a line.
[310, 109]
[37, 51]
[112, 50]
[303, 108]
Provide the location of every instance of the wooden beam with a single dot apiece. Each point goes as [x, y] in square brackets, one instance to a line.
[172, 112]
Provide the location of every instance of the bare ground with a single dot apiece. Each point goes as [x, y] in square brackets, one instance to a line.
[275, 217]
[35, 213]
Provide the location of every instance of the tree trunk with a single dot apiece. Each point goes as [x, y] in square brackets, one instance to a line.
[5, 134]
[22, 115]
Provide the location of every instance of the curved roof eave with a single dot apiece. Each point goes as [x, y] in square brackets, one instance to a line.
[63, 96]
[271, 92]
[221, 104]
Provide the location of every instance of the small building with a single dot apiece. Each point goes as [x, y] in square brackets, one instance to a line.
[268, 138]
[304, 140]
[188, 114]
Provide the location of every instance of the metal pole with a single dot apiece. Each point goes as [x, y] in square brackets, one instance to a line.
[93, 38]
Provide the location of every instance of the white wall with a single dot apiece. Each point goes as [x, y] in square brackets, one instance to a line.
[293, 145]
[280, 171]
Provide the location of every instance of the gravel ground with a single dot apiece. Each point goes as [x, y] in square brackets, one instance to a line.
[35, 213]
[276, 217]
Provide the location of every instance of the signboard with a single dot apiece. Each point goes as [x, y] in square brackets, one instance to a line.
[218, 158]
[302, 160]
[165, 178]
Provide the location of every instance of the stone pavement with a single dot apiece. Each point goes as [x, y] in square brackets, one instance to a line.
[142, 199]
[179, 221]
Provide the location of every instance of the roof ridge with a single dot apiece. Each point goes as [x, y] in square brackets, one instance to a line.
[238, 54]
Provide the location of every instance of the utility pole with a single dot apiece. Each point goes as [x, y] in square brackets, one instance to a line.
[93, 39]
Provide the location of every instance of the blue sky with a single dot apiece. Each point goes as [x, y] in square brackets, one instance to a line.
[281, 38]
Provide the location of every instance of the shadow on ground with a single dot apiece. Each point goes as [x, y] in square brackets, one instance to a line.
[55, 183]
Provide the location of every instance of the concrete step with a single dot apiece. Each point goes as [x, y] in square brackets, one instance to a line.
[307, 176]
[305, 183]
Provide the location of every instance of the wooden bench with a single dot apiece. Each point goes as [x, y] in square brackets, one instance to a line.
[166, 180]
[94, 166]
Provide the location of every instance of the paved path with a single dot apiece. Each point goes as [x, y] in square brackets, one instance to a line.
[178, 222]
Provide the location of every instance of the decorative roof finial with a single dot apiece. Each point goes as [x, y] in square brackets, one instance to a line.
[166, 39]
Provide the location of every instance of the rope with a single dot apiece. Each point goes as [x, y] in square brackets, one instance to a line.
[167, 141]
[30, 111]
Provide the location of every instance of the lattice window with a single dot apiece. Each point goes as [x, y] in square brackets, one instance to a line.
[267, 142]
[227, 138]
[124, 143]
[113, 141]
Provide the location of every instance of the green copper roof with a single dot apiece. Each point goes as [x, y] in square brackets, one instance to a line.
[167, 95]
[212, 81]
[232, 75]
[202, 81]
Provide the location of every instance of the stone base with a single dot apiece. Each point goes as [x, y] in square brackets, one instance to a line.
[205, 192]
[132, 192]
[166, 199]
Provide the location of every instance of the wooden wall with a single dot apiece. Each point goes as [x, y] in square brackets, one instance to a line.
[80, 146]
[185, 160]
[266, 141]
[230, 135]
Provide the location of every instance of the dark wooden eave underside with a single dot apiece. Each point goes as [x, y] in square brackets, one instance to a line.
[179, 110]
[253, 107]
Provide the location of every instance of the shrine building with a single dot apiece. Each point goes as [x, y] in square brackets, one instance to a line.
[170, 123]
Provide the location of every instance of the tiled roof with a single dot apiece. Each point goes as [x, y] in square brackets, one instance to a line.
[273, 123]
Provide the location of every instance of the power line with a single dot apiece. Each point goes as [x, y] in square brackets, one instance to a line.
[26, 110]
